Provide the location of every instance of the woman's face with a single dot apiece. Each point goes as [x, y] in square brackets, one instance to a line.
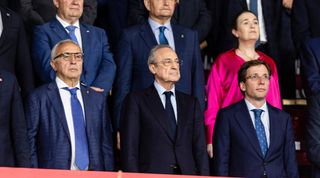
[247, 27]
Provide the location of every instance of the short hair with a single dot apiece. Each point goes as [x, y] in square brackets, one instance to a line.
[60, 43]
[152, 54]
[242, 73]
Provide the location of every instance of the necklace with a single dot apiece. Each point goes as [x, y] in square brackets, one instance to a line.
[254, 57]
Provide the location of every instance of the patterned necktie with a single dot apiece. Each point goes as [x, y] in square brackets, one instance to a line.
[170, 112]
[72, 35]
[162, 37]
[260, 131]
[81, 143]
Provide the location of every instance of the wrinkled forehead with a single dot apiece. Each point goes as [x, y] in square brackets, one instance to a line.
[68, 47]
[165, 53]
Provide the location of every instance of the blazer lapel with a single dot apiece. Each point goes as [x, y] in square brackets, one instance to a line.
[86, 43]
[58, 29]
[147, 35]
[6, 24]
[88, 111]
[56, 103]
[244, 4]
[182, 115]
[156, 107]
[244, 120]
[179, 41]
[274, 130]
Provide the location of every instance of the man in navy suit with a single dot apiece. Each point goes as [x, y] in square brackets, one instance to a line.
[14, 147]
[68, 125]
[253, 139]
[162, 129]
[310, 59]
[98, 65]
[136, 43]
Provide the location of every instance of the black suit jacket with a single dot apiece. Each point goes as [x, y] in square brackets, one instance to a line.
[223, 15]
[14, 147]
[14, 50]
[236, 147]
[189, 13]
[147, 145]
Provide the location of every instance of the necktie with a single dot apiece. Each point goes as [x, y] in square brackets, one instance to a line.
[72, 35]
[260, 131]
[170, 112]
[254, 9]
[81, 143]
[162, 37]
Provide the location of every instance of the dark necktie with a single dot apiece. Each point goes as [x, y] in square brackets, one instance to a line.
[81, 143]
[72, 35]
[170, 112]
[162, 37]
[260, 131]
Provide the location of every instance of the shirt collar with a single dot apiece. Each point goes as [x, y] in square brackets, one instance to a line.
[155, 25]
[251, 107]
[160, 89]
[61, 84]
[65, 24]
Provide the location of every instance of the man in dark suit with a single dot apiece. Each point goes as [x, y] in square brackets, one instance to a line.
[14, 51]
[68, 125]
[162, 129]
[14, 147]
[98, 65]
[253, 139]
[310, 58]
[137, 41]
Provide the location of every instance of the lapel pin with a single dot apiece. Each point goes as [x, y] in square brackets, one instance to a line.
[87, 91]
[0, 79]
[182, 35]
[8, 14]
[88, 31]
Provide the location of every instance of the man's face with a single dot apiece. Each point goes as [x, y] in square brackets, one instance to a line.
[68, 62]
[69, 10]
[160, 10]
[257, 83]
[166, 67]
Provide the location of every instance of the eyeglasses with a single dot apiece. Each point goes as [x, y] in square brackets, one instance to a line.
[256, 77]
[168, 62]
[68, 56]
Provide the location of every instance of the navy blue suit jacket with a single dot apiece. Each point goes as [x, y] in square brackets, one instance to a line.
[133, 72]
[14, 147]
[236, 147]
[98, 65]
[148, 144]
[48, 131]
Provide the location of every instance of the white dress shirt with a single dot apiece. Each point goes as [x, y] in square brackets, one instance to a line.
[167, 32]
[66, 102]
[76, 32]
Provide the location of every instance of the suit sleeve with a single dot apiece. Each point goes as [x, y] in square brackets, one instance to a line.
[29, 14]
[19, 130]
[221, 145]
[203, 24]
[199, 143]
[300, 23]
[89, 11]
[129, 134]
[32, 117]
[290, 152]
[41, 55]
[107, 68]
[107, 142]
[122, 85]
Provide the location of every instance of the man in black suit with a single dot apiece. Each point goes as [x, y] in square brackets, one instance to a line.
[252, 138]
[14, 147]
[160, 135]
[14, 51]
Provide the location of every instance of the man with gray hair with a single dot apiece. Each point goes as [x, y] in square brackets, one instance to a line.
[68, 125]
[162, 129]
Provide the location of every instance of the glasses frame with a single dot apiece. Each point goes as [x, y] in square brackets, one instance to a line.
[67, 56]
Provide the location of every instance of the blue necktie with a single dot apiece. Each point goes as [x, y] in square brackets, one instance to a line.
[81, 143]
[170, 112]
[162, 37]
[72, 35]
[261, 134]
[254, 9]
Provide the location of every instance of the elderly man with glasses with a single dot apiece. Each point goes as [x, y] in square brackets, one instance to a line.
[68, 125]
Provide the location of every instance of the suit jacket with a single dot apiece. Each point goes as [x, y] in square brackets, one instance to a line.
[49, 135]
[237, 150]
[98, 65]
[14, 50]
[133, 71]
[305, 21]
[148, 145]
[14, 147]
[224, 13]
[189, 13]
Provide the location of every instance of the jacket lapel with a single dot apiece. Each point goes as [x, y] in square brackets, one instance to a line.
[179, 40]
[6, 24]
[274, 130]
[147, 35]
[58, 29]
[56, 103]
[86, 43]
[244, 120]
[182, 114]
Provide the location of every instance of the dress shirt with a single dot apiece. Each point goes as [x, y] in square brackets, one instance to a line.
[76, 31]
[66, 102]
[1, 24]
[167, 32]
[262, 30]
[162, 96]
[264, 118]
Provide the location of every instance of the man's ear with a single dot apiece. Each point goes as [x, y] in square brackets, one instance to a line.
[242, 86]
[152, 68]
[147, 4]
[53, 65]
[56, 3]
